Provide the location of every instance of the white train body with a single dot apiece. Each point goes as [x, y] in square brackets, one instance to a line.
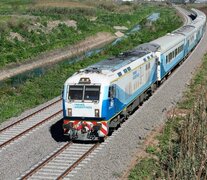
[97, 94]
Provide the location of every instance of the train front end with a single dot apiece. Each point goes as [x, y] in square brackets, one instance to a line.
[82, 107]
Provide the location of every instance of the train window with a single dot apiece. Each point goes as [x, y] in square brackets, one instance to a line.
[75, 93]
[167, 59]
[125, 70]
[92, 93]
[176, 52]
[181, 47]
[170, 57]
[119, 74]
[129, 69]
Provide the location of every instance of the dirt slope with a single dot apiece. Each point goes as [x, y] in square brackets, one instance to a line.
[97, 40]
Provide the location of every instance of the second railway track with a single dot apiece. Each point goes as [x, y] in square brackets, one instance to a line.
[23, 126]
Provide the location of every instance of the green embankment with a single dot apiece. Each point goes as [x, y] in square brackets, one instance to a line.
[37, 90]
[181, 152]
[41, 29]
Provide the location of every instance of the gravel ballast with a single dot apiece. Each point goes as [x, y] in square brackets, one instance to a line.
[22, 154]
[17, 157]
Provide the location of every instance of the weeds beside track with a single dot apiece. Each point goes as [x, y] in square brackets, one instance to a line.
[182, 149]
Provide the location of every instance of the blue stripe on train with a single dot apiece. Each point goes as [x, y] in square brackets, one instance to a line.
[165, 68]
[112, 107]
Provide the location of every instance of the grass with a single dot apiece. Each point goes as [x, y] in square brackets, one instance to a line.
[183, 143]
[31, 24]
[191, 93]
[37, 90]
[151, 150]
[144, 169]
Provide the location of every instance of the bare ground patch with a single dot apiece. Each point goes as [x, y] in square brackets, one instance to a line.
[61, 4]
[176, 112]
[36, 26]
[14, 35]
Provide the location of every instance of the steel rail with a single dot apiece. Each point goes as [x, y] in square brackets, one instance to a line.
[74, 165]
[25, 118]
[58, 153]
[29, 129]
[33, 171]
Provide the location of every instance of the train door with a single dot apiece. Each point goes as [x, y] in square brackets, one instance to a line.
[186, 50]
[112, 99]
[158, 64]
[142, 75]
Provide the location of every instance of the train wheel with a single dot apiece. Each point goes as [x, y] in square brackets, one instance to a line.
[118, 126]
[101, 139]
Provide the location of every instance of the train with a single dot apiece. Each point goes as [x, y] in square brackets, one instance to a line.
[97, 99]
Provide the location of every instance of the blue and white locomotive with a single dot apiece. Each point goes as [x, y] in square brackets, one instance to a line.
[98, 98]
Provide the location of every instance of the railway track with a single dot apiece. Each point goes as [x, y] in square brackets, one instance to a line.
[184, 14]
[61, 163]
[25, 125]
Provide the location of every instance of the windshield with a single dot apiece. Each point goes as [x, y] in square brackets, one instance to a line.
[92, 93]
[84, 93]
[75, 93]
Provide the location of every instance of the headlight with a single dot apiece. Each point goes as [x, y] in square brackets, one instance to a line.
[96, 112]
[69, 112]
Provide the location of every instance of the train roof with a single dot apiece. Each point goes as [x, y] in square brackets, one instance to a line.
[185, 30]
[150, 47]
[168, 41]
[198, 13]
[198, 22]
[200, 19]
[115, 63]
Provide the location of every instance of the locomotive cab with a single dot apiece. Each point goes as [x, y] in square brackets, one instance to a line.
[84, 100]
[82, 104]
